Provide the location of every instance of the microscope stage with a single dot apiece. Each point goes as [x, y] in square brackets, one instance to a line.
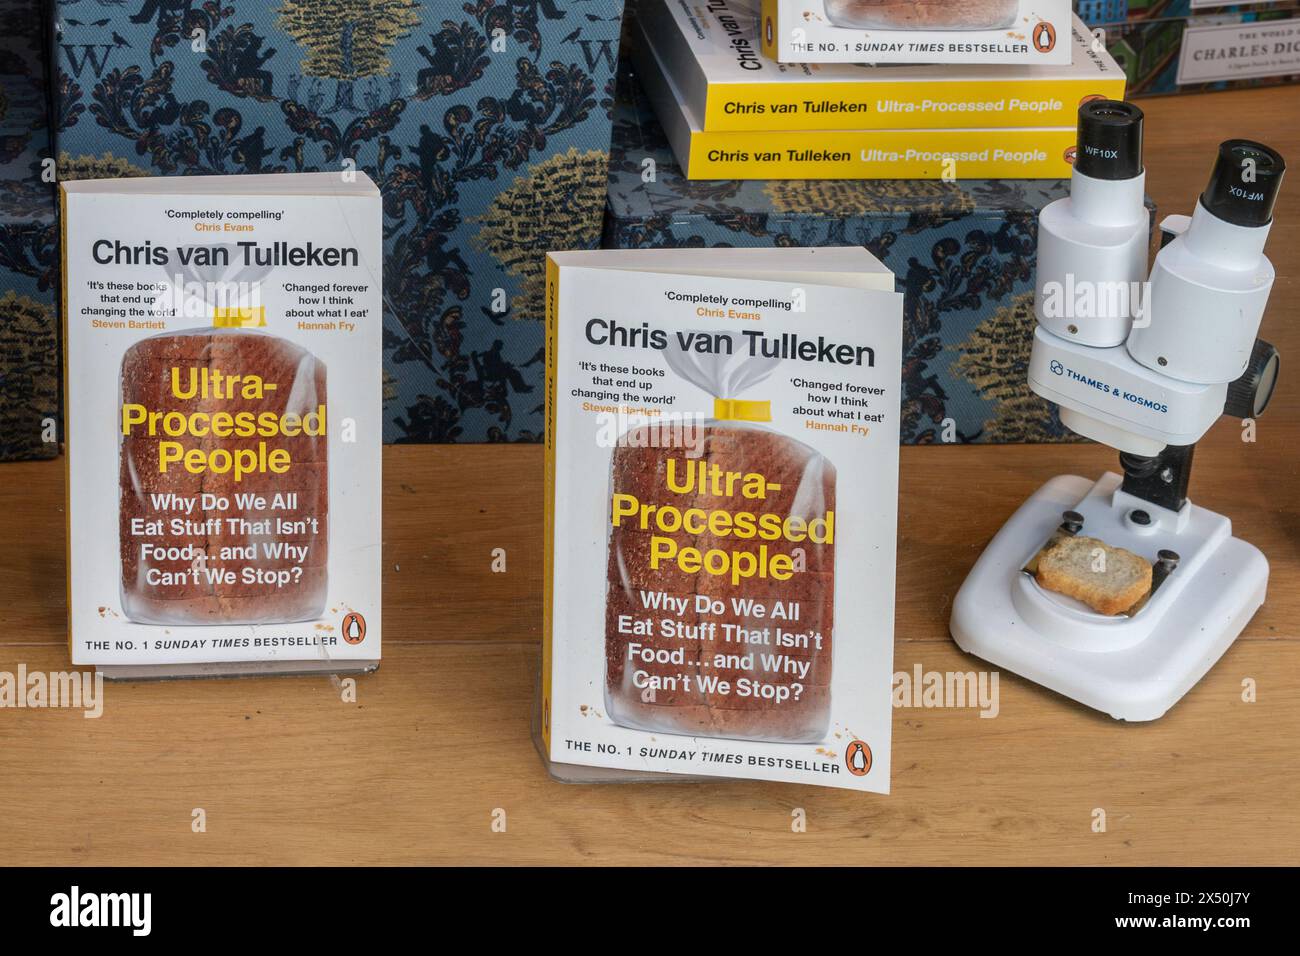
[1131, 667]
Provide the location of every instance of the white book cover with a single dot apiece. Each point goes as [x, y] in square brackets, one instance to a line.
[721, 526]
[222, 400]
[917, 31]
[711, 53]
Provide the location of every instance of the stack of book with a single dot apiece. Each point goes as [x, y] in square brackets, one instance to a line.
[731, 113]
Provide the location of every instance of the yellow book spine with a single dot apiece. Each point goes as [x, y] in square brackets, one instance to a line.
[548, 521]
[884, 154]
[937, 104]
[767, 26]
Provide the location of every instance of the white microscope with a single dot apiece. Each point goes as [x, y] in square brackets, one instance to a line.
[1146, 367]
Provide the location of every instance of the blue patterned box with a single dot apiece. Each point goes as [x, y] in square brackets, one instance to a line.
[485, 123]
[963, 253]
[29, 349]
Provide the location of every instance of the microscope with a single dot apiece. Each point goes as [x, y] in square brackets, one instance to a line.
[1145, 365]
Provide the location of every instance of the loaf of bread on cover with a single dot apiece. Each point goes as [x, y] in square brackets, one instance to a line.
[1108, 580]
[807, 483]
[923, 14]
[300, 388]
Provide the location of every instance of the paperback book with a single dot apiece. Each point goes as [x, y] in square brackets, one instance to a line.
[222, 423]
[933, 154]
[917, 31]
[721, 520]
[711, 51]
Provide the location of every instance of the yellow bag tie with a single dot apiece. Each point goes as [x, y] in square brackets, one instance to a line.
[237, 318]
[738, 410]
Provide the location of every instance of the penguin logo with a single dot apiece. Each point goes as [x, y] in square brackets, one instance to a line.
[1044, 37]
[858, 758]
[770, 31]
[354, 628]
[1071, 152]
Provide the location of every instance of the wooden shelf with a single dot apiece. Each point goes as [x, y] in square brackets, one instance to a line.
[439, 738]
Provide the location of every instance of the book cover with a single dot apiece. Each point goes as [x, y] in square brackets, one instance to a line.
[964, 250]
[721, 522]
[1226, 49]
[916, 31]
[934, 154]
[711, 52]
[223, 420]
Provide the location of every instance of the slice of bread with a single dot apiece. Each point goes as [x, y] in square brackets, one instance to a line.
[1108, 580]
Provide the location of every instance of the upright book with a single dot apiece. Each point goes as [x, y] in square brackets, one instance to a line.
[711, 52]
[721, 502]
[223, 423]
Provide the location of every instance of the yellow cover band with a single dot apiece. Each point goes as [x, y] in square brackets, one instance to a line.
[943, 154]
[736, 410]
[919, 104]
[239, 318]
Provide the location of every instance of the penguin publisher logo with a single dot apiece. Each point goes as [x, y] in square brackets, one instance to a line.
[858, 758]
[770, 31]
[1071, 153]
[354, 628]
[1044, 37]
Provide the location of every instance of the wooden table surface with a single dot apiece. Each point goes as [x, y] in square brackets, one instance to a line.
[438, 740]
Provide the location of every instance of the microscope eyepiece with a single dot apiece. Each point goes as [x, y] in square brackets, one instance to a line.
[1245, 183]
[1110, 140]
[1210, 285]
[1098, 236]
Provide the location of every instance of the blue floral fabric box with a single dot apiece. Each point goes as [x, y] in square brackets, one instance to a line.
[485, 123]
[963, 253]
[29, 350]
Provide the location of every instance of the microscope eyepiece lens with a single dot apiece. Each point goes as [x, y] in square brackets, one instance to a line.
[1244, 185]
[1110, 140]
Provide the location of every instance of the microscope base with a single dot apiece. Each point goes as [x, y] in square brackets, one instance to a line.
[1130, 667]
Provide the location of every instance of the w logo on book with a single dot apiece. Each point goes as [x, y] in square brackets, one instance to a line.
[79, 55]
[594, 51]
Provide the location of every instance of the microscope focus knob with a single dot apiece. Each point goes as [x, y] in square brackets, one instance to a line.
[1249, 395]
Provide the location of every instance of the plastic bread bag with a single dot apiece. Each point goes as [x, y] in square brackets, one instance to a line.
[223, 466]
[923, 14]
[720, 589]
